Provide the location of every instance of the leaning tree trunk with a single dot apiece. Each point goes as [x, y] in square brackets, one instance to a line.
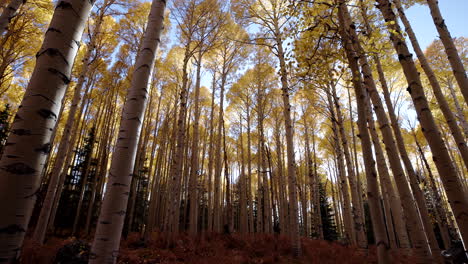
[65, 143]
[452, 184]
[29, 142]
[358, 218]
[415, 226]
[397, 217]
[442, 102]
[291, 166]
[112, 214]
[349, 234]
[439, 206]
[452, 54]
[369, 163]
[9, 13]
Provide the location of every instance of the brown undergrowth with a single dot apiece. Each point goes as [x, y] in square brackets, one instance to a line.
[215, 249]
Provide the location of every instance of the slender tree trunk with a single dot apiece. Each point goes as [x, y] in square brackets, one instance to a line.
[112, 215]
[439, 207]
[452, 184]
[50, 206]
[358, 219]
[349, 234]
[194, 171]
[316, 199]
[395, 203]
[415, 226]
[389, 220]
[291, 166]
[284, 222]
[442, 102]
[62, 153]
[28, 144]
[228, 219]
[243, 223]
[450, 49]
[178, 154]
[369, 163]
[218, 162]
[249, 175]
[211, 157]
[85, 173]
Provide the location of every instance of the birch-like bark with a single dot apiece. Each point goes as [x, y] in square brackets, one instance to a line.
[415, 226]
[63, 150]
[450, 49]
[194, 170]
[112, 215]
[358, 218]
[389, 192]
[218, 159]
[291, 166]
[450, 118]
[347, 216]
[28, 144]
[452, 184]
[369, 163]
[439, 206]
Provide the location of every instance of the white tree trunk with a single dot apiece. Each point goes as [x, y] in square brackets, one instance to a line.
[29, 142]
[450, 48]
[111, 217]
[431, 131]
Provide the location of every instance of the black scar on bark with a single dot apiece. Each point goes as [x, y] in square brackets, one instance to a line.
[62, 76]
[44, 148]
[21, 132]
[52, 52]
[51, 29]
[64, 5]
[44, 97]
[46, 114]
[121, 213]
[12, 229]
[19, 168]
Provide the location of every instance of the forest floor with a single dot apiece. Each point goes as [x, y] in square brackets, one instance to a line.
[209, 249]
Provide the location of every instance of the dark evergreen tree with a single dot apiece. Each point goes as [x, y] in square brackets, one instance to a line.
[74, 182]
[369, 229]
[328, 220]
[4, 126]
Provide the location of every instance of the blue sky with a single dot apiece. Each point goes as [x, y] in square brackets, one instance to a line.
[455, 13]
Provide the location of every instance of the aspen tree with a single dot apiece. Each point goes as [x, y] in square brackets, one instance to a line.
[68, 138]
[358, 219]
[450, 49]
[29, 143]
[371, 174]
[113, 210]
[452, 184]
[415, 226]
[460, 140]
